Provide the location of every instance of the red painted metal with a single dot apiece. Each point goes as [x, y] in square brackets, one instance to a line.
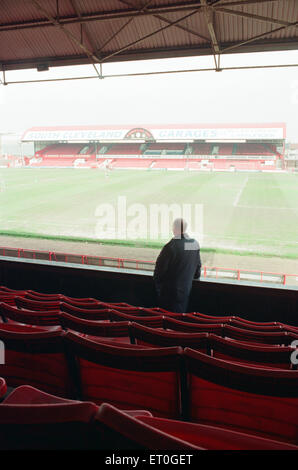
[239, 274]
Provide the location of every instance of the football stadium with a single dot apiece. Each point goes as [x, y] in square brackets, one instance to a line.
[93, 354]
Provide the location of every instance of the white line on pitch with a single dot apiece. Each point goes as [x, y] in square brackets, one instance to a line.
[269, 208]
[237, 198]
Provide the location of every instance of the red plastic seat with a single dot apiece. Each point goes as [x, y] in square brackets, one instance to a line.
[91, 304]
[119, 429]
[32, 419]
[28, 304]
[247, 353]
[36, 357]
[30, 317]
[246, 399]
[153, 322]
[213, 438]
[95, 328]
[187, 327]
[147, 312]
[282, 337]
[253, 327]
[86, 314]
[215, 318]
[126, 377]
[153, 337]
[31, 295]
[3, 386]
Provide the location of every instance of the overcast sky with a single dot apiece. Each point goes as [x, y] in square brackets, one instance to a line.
[250, 96]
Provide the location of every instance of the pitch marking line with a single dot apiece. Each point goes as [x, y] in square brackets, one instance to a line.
[238, 195]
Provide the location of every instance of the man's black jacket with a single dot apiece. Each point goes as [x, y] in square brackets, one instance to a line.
[178, 263]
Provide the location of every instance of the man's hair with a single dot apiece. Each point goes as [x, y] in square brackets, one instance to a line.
[179, 225]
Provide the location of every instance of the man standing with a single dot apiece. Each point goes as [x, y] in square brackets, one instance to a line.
[178, 263]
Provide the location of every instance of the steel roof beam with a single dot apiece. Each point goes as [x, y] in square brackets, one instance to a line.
[179, 26]
[209, 17]
[114, 35]
[56, 23]
[101, 16]
[87, 35]
[147, 36]
[265, 19]
[259, 36]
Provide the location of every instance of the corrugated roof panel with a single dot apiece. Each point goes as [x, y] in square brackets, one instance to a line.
[25, 32]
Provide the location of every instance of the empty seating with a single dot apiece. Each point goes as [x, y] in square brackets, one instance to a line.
[152, 337]
[95, 328]
[246, 399]
[247, 353]
[85, 313]
[31, 317]
[32, 419]
[153, 321]
[188, 327]
[126, 377]
[37, 305]
[124, 149]
[35, 356]
[209, 437]
[3, 387]
[282, 337]
[120, 430]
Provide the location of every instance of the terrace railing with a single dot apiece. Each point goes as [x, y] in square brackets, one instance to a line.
[208, 272]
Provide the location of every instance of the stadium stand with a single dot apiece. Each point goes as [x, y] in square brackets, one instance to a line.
[124, 149]
[148, 368]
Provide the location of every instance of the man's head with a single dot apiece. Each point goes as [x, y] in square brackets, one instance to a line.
[179, 227]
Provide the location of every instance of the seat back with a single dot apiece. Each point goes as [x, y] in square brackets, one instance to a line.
[95, 328]
[248, 353]
[120, 430]
[46, 426]
[281, 337]
[247, 399]
[153, 337]
[153, 322]
[126, 377]
[36, 357]
[3, 387]
[187, 327]
[37, 305]
[213, 318]
[30, 317]
[85, 313]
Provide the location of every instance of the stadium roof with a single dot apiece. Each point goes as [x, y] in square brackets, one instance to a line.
[47, 33]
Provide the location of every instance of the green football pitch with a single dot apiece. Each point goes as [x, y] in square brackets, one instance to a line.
[240, 212]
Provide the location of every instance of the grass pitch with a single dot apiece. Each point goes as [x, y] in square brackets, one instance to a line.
[245, 213]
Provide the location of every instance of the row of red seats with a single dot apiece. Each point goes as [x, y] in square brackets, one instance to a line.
[252, 348]
[32, 419]
[170, 382]
[90, 321]
[36, 301]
